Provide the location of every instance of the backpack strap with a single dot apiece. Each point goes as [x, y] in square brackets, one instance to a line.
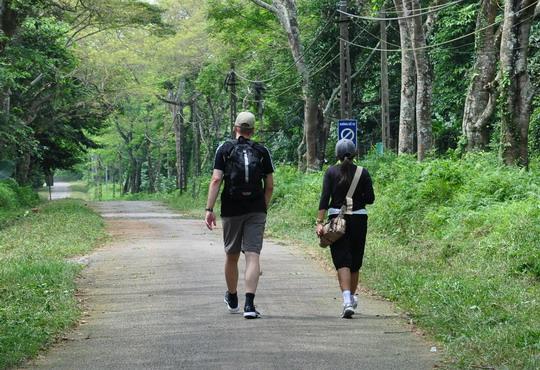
[347, 208]
[229, 147]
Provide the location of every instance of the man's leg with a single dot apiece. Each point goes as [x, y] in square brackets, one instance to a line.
[252, 245]
[253, 270]
[231, 271]
[232, 237]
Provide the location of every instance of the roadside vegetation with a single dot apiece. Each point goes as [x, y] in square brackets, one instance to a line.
[453, 242]
[37, 282]
[15, 201]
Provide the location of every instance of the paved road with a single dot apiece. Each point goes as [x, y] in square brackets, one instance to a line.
[60, 190]
[154, 298]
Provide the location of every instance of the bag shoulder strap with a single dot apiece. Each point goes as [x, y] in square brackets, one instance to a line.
[354, 183]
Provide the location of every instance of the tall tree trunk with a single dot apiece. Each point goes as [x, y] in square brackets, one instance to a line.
[285, 11]
[196, 140]
[324, 129]
[385, 95]
[22, 169]
[311, 115]
[408, 87]
[137, 176]
[151, 170]
[424, 81]
[481, 96]
[516, 90]
[179, 140]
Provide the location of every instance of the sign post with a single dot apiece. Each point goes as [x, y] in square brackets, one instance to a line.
[347, 129]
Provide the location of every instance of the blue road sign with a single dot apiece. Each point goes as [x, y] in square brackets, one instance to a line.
[347, 130]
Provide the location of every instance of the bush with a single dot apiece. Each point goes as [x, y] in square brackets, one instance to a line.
[13, 196]
[8, 197]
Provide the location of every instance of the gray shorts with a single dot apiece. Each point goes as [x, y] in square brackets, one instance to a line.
[244, 233]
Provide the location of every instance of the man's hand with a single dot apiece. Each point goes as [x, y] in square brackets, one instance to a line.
[210, 220]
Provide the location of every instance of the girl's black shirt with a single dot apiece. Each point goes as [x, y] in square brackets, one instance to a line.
[333, 193]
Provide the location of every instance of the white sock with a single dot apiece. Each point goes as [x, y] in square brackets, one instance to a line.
[347, 297]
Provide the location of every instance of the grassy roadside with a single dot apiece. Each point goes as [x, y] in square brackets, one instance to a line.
[452, 242]
[37, 283]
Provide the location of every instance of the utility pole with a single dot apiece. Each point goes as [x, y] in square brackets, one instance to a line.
[230, 81]
[344, 63]
[385, 96]
[259, 89]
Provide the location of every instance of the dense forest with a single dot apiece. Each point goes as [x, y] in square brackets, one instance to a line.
[141, 93]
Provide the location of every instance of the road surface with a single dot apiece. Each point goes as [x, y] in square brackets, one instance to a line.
[154, 300]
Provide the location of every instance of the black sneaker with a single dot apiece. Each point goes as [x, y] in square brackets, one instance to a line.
[231, 300]
[250, 312]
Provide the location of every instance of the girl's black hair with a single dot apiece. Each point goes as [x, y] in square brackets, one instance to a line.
[345, 169]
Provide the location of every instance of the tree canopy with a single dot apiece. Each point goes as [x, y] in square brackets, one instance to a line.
[150, 87]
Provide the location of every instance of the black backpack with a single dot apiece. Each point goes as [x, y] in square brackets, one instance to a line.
[243, 170]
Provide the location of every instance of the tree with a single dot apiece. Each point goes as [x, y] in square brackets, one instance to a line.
[408, 87]
[286, 13]
[482, 93]
[515, 87]
[424, 78]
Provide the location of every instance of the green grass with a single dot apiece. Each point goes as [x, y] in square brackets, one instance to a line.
[37, 283]
[453, 242]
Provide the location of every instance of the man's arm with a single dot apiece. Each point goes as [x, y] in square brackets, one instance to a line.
[213, 191]
[268, 188]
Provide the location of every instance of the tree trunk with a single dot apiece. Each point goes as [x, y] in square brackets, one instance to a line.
[385, 96]
[424, 84]
[481, 96]
[408, 88]
[285, 11]
[22, 169]
[138, 176]
[196, 140]
[324, 129]
[516, 90]
[179, 140]
[151, 169]
[311, 114]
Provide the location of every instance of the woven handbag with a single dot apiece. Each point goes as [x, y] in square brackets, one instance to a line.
[335, 228]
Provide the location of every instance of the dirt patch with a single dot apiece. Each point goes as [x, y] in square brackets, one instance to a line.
[131, 229]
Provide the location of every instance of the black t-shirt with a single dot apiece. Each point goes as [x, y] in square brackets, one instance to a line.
[230, 207]
[333, 193]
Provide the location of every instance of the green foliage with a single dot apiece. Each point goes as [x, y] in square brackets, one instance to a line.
[14, 200]
[37, 288]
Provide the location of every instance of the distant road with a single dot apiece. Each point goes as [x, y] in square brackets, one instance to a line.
[61, 190]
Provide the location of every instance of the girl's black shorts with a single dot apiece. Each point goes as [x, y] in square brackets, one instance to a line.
[348, 251]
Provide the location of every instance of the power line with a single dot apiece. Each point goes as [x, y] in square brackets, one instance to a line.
[303, 54]
[444, 42]
[431, 10]
[311, 74]
[427, 46]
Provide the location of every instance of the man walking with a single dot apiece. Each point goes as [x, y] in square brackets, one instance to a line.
[246, 167]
